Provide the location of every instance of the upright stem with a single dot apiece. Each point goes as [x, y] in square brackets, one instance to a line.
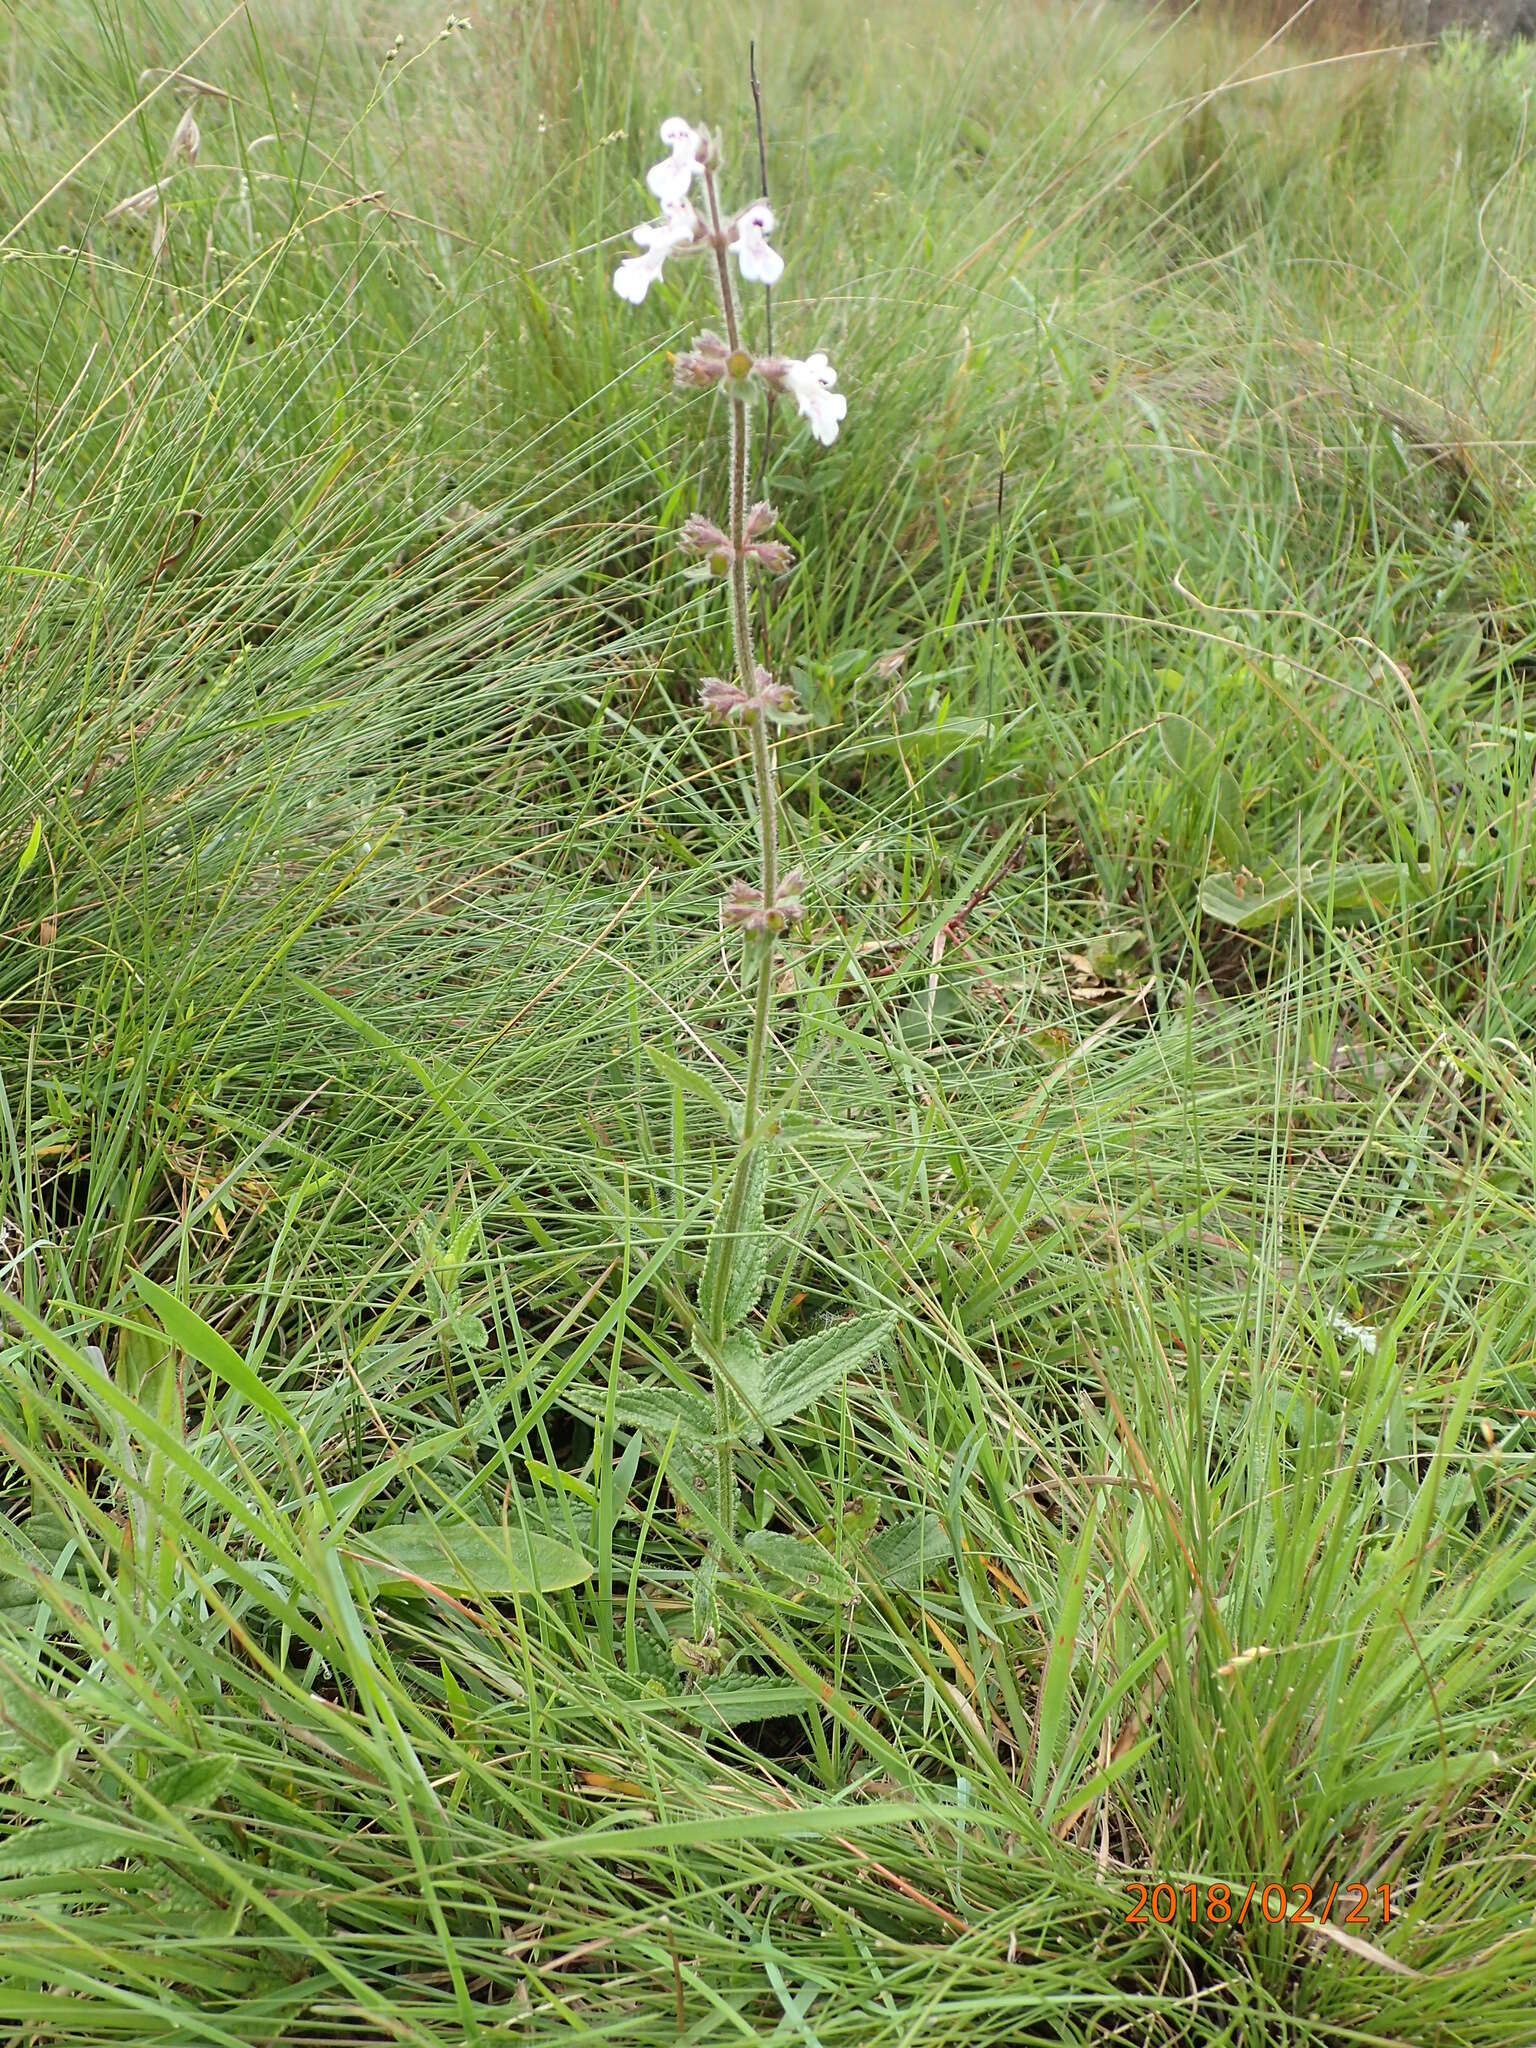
[741, 597]
[762, 171]
[765, 788]
[765, 780]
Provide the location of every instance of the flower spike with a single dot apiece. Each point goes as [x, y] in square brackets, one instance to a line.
[754, 705]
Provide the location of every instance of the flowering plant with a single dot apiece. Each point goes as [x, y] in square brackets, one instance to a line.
[751, 1391]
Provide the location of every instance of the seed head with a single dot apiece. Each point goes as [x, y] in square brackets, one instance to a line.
[187, 141]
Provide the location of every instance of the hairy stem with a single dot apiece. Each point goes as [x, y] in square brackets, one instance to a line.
[765, 790]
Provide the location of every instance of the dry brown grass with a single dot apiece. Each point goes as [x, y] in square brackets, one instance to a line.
[1331, 24]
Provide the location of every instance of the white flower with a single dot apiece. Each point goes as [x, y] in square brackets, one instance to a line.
[1357, 1333]
[671, 178]
[678, 226]
[810, 384]
[759, 263]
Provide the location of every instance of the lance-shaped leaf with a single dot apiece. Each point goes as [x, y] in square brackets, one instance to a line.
[413, 1558]
[908, 1552]
[736, 1261]
[694, 1478]
[657, 1412]
[738, 1360]
[808, 1565]
[1194, 753]
[798, 1376]
[1338, 889]
[664, 1412]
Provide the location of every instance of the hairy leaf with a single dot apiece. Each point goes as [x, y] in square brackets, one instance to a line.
[741, 1360]
[799, 1375]
[665, 1411]
[736, 1261]
[908, 1552]
[1349, 888]
[411, 1558]
[806, 1563]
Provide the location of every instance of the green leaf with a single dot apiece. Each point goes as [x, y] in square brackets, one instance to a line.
[40, 1778]
[706, 1602]
[740, 1357]
[38, 1742]
[799, 1375]
[736, 1261]
[806, 1563]
[411, 1559]
[62, 1845]
[663, 1412]
[215, 1353]
[193, 1786]
[955, 733]
[1348, 889]
[692, 1082]
[909, 1552]
[145, 1359]
[694, 1477]
[29, 852]
[1194, 754]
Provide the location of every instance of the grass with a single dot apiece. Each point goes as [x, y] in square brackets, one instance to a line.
[1162, 1050]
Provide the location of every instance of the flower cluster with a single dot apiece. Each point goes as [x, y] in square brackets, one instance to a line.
[701, 536]
[724, 701]
[745, 909]
[812, 384]
[693, 154]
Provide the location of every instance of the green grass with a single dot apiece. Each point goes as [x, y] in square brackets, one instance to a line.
[364, 981]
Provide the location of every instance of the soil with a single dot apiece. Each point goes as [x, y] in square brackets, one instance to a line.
[1499, 17]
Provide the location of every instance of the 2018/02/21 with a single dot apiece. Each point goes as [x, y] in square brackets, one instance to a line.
[1165, 1903]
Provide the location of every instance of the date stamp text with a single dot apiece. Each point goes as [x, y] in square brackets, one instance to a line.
[1294, 1905]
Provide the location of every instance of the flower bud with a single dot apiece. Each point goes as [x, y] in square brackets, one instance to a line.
[789, 903]
[772, 555]
[704, 365]
[723, 700]
[743, 908]
[778, 700]
[701, 536]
